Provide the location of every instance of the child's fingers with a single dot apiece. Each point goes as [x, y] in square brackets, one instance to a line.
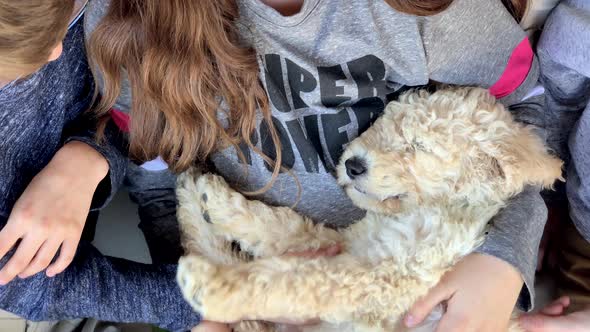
[423, 307]
[42, 259]
[543, 323]
[8, 238]
[207, 326]
[21, 259]
[66, 256]
[557, 307]
[564, 301]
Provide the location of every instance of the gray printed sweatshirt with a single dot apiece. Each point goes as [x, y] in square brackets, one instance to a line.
[564, 53]
[329, 71]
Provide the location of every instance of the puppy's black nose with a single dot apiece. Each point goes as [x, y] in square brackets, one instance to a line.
[355, 167]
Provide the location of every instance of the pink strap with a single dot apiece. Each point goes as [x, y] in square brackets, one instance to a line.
[516, 71]
[121, 119]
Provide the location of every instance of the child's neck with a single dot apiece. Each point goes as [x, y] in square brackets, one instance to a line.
[285, 7]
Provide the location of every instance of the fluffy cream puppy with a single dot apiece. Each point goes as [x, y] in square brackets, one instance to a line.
[431, 173]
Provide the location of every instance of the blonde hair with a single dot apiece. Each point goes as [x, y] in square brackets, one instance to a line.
[29, 31]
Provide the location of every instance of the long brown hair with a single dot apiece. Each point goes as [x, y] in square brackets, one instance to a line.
[431, 7]
[183, 58]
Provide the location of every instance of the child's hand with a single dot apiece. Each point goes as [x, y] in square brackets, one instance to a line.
[51, 213]
[551, 319]
[207, 326]
[480, 291]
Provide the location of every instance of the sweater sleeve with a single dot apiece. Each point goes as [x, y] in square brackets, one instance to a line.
[564, 50]
[496, 55]
[113, 148]
[105, 288]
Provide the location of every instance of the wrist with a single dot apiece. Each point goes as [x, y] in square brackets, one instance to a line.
[79, 158]
[509, 273]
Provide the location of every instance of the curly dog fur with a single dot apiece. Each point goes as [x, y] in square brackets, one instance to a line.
[431, 173]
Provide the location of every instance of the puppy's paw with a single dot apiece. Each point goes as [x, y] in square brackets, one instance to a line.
[193, 191]
[193, 275]
[211, 290]
[215, 197]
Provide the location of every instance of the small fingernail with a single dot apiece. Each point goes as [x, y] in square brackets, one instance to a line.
[409, 321]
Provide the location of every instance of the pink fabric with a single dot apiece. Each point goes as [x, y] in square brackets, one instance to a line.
[516, 71]
[121, 119]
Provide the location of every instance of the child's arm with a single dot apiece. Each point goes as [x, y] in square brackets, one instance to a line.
[49, 216]
[483, 288]
[94, 285]
[113, 149]
[497, 56]
[51, 213]
[567, 97]
[564, 53]
[104, 288]
[99, 287]
[564, 50]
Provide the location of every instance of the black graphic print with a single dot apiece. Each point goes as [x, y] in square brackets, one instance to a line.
[317, 114]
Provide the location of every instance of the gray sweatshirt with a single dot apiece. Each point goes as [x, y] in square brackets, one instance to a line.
[329, 71]
[564, 52]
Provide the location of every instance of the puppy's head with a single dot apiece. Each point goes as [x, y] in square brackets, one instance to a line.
[454, 144]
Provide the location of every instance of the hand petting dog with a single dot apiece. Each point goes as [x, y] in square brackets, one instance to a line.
[483, 286]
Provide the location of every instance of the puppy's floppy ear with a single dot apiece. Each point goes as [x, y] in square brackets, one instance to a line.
[522, 159]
